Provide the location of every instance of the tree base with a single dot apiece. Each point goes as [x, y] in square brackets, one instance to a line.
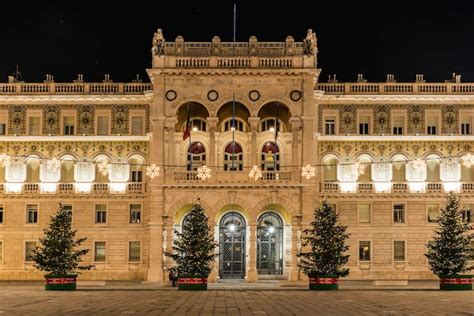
[192, 283]
[60, 282]
[324, 282]
[455, 282]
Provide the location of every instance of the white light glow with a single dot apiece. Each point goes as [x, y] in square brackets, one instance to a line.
[255, 173]
[53, 164]
[382, 187]
[48, 187]
[452, 187]
[232, 227]
[271, 230]
[118, 187]
[272, 129]
[14, 187]
[83, 187]
[5, 160]
[348, 187]
[153, 171]
[417, 187]
[195, 129]
[203, 173]
[104, 167]
[467, 160]
[308, 171]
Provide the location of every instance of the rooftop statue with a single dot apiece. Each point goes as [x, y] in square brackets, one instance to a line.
[158, 43]
[309, 43]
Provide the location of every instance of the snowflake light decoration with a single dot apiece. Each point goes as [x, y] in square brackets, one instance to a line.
[203, 173]
[359, 168]
[53, 164]
[308, 171]
[418, 164]
[467, 160]
[153, 171]
[5, 160]
[104, 167]
[255, 173]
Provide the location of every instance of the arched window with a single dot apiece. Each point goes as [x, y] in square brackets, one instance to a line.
[67, 170]
[196, 156]
[233, 157]
[433, 169]
[330, 169]
[232, 229]
[239, 125]
[268, 124]
[270, 156]
[101, 177]
[136, 169]
[197, 124]
[270, 244]
[398, 169]
[366, 164]
[33, 170]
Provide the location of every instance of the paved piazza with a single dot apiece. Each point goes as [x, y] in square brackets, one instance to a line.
[141, 300]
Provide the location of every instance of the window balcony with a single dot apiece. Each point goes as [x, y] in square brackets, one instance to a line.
[102, 188]
[399, 187]
[136, 187]
[365, 187]
[66, 188]
[467, 187]
[331, 187]
[29, 188]
[434, 187]
[234, 177]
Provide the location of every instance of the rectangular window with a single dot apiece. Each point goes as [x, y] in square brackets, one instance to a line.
[364, 213]
[137, 125]
[34, 125]
[99, 251]
[3, 128]
[1, 251]
[31, 213]
[135, 213]
[433, 212]
[1, 214]
[432, 125]
[467, 213]
[398, 125]
[330, 126]
[399, 250]
[102, 125]
[364, 125]
[466, 126]
[68, 125]
[472, 250]
[364, 250]
[68, 208]
[101, 213]
[399, 213]
[136, 176]
[30, 247]
[134, 251]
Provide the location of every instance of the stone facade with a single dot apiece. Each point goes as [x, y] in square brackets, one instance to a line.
[384, 154]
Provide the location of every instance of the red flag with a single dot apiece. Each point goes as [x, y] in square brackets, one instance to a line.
[187, 130]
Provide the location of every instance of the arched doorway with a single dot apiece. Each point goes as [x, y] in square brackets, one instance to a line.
[232, 246]
[270, 244]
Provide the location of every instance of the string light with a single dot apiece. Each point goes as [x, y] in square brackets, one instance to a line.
[203, 173]
[53, 164]
[5, 159]
[104, 167]
[153, 171]
[467, 160]
[308, 171]
[255, 173]
[359, 168]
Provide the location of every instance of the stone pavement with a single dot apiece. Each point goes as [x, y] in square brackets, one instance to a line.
[264, 298]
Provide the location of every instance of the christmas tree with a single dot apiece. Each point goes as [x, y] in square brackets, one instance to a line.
[57, 254]
[449, 252]
[326, 241]
[193, 249]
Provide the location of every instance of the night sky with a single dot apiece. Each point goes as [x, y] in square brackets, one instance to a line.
[374, 38]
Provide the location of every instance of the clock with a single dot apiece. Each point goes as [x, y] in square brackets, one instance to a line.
[212, 95]
[295, 95]
[254, 95]
[171, 95]
[347, 119]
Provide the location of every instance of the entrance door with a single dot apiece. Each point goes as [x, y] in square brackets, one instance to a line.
[270, 244]
[232, 246]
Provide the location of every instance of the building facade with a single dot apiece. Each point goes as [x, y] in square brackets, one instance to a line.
[248, 129]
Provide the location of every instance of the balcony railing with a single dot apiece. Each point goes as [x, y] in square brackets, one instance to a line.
[467, 187]
[396, 88]
[399, 187]
[66, 188]
[233, 177]
[434, 187]
[365, 187]
[100, 188]
[31, 188]
[2, 188]
[332, 187]
[75, 88]
[136, 187]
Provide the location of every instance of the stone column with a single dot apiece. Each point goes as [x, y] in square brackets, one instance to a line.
[214, 275]
[252, 257]
[212, 122]
[170, 124]
[253, 121]
[296, 230]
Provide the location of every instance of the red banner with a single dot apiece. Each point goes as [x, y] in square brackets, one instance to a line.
[323, 280]
[60, 280]
[192, 280]
[456, 281]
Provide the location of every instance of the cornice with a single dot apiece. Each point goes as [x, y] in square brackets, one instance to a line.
[420, 98]
[91, 138]
[35, 99]
[379, 138]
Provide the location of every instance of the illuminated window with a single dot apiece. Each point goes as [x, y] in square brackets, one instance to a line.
[31, 213]
[135, 213]
[399, 250]
[330, 126]
[364, 250]
[68, 125]
[433, 213]
[101, 213]
[99, 251]
[134, 251]
[30, 247]
[399, 213]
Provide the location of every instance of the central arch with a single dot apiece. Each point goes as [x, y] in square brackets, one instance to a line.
[270, 244]
[232, 229]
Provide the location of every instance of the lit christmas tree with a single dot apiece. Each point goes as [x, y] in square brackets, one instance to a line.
[193, 250]
[57, 255]
[326, 242]
[449, 252]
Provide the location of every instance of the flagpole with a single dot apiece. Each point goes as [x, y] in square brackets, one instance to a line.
[277, 126]
[235, 21]
[190, 143]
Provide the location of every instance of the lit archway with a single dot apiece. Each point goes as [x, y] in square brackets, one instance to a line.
[270, 244]
[232, 229]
